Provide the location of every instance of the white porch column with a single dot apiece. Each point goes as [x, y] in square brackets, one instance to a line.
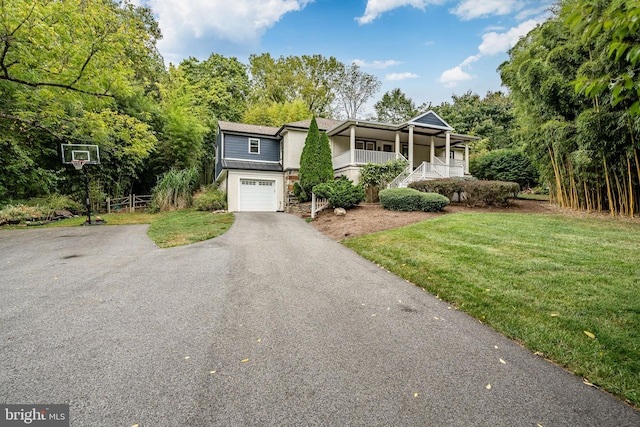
[447, 149]
[411, 146]
[466, 157]
[433, 149]
[352, 145]
[397, 144]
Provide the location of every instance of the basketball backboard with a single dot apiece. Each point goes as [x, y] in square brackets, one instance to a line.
[90, 153]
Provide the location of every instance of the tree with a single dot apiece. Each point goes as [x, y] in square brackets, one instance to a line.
[354, 88]
[315, 162]
[492, 118]
[395, 107]
[221, 91]
[183, 117]
[283, 80]
[583, 146]
[615, 28]
[68, 71]
[276, 114]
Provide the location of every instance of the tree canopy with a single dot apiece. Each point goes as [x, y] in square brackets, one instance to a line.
[395, 107]
[584, 142]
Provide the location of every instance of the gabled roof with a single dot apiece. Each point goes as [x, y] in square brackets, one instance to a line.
[430, 120]
[248, 129]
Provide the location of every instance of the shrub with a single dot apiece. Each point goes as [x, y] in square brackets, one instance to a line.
[174, 190]
[374, 176]
[57, 202]
[505, 165]
[20, 212]
[496, 193]
[448, 187]
[409, 199]
[299, 192]
[341, 193]
[211, 199]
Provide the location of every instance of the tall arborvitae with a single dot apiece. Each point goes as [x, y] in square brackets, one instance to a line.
[315, 161]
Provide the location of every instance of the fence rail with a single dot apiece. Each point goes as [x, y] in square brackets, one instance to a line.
[128, 203]
[317, 205]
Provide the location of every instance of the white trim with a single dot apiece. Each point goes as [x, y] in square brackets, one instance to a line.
[254, 140]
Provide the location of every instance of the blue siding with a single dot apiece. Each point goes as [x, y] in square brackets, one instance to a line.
[431, 119]
[218, 154]
[237, 147]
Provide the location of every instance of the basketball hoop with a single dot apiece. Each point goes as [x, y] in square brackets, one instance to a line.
[78, 164]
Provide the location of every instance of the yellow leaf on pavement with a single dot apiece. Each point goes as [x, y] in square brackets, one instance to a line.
[244, 360]
[488, 387]
[503, 362]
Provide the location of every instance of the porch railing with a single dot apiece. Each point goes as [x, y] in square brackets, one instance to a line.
[362, 157]
[397, 182]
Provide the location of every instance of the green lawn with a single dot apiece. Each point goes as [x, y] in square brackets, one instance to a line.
[167, 229]
[543, 280]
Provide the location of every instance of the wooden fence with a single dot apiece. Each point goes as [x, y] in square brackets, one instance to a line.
[128, 203]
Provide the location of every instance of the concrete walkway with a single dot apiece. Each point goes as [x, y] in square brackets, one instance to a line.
[269, 324]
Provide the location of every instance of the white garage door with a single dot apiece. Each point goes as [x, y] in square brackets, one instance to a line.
[257, 195]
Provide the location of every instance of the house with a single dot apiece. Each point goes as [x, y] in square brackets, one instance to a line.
[257, 165]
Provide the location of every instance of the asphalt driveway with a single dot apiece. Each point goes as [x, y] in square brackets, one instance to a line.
[269, 324]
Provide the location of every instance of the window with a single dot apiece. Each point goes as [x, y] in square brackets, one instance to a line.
[387, 148]
[254, 146]
[405, 150]
[366, 145]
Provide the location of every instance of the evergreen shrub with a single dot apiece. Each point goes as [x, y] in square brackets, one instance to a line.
[211, 199]
[409, 199]
[496, 193]
[505, 165]
[341, 193]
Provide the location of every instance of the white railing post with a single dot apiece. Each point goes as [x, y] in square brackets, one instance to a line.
[313, 205]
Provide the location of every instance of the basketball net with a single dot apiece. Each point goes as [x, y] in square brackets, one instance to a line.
[78, 163]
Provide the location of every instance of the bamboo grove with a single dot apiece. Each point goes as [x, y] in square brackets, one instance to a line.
[572, 83]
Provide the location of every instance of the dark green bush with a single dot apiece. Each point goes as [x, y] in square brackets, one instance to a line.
[505, 165]
[409, 199]
[448, 187]
[211, 200]
[299, 192]
[341, 193]
[497, 193]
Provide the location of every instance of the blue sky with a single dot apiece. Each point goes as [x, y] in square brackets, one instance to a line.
[430, 49]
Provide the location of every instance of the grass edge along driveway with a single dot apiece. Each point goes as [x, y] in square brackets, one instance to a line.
[167, 229]
[566, 288]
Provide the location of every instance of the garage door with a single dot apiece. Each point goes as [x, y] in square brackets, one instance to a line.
[257, 195]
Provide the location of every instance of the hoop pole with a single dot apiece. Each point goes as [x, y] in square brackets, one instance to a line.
[86, 187]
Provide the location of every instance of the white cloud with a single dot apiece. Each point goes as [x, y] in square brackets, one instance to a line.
[238, 21]
[401, 76]
[453, 76]
[376, 64]
[375, 8]
[471, 9]
[494, 43]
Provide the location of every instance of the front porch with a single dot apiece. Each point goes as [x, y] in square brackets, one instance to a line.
[426, 142]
